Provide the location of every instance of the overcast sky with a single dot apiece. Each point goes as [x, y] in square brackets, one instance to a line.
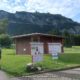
[68, 8]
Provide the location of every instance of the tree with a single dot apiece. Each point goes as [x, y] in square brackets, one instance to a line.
[5, 40]
[77, 40]
[55, 32]
[68, 38]
[3, 25]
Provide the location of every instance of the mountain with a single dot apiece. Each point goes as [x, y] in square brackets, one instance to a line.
[26, 22]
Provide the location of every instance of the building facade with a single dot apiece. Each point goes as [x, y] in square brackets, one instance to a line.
[24, 42]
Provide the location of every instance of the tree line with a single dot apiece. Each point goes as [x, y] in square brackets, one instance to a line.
[69, 39]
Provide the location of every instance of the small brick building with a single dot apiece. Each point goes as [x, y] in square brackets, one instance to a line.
[24, 42]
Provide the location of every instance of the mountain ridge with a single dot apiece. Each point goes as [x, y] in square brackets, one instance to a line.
[27, 22]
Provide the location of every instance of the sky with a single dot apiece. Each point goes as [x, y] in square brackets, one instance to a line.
[67, 8]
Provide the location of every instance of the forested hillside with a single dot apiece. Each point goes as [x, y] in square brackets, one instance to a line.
[26, 22]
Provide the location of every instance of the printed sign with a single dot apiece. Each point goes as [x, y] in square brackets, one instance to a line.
[54, 49]
[37, 51]
[54, 55]
[36, 46]
[37, 58]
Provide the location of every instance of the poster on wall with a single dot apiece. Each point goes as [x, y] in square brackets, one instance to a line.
[37, 51]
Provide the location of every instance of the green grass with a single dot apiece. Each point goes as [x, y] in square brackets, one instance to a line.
[70, 58]
[74, 49]
[64, 61]
[16, 64]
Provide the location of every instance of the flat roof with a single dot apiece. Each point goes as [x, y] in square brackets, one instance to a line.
[33, 34]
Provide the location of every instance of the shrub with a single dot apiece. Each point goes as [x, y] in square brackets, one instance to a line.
[5, 40]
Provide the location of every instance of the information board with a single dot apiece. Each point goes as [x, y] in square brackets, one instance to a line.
[54, 49]
[37, 51]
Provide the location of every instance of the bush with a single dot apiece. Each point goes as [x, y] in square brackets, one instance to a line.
[33, 67]
[5, 40]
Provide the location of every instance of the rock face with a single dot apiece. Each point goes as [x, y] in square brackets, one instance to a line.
[26, 22]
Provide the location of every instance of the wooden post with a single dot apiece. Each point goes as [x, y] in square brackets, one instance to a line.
[38, 39]
[32, 39]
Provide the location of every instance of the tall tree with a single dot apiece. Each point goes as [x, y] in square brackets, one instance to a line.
[68, 38]
[3, 25]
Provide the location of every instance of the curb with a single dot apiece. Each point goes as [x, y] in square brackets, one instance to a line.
[56, 70]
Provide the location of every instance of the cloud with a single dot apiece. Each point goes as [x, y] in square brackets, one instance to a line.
[54, 6]
[12, 5]
[68, 8]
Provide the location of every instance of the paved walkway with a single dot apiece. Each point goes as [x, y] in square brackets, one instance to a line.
[3, 76]
[72, 74]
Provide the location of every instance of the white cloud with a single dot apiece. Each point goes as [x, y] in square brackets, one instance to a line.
[64, 7]
[68, 8]
[12, 5]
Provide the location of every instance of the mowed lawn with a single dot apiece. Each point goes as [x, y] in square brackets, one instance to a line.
[16, 64]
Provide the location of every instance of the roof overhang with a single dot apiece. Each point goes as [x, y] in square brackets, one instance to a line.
[35, 34]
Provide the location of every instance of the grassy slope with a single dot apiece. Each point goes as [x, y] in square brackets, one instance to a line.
[16, 64]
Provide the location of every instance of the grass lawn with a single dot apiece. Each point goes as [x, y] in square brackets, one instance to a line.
[74, 49]
[16, 64]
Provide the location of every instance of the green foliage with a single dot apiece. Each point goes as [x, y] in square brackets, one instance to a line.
[55, 32]
[5, 40]
[76, 40]
[67, 38]
[3, 25]
[71, 40]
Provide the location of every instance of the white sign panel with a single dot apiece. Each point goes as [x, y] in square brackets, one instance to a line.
[54, 55]
[37, 51]
[54, 49]
[36, 46]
